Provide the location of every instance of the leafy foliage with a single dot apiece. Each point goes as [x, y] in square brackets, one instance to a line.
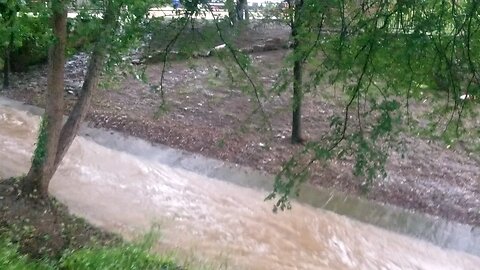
[386, 55]
[24, 32]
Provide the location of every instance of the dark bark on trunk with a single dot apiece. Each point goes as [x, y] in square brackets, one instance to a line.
[6, 66]
[239, 11]
[77, 115]
[89, 87]
[60, 138]
[297, 75]
[42, 169]
[232, 11]
[297, 102]
[242, 10]
[6, 69]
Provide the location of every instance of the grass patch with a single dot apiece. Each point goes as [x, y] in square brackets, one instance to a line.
[11, 259]
[121, 257]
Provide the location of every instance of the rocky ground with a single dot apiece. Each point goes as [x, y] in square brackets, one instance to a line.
[207, 113]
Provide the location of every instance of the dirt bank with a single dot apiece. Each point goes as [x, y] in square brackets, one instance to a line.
[209, 116]
[45, 229]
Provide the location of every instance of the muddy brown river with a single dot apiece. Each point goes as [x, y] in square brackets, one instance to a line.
[217, 212]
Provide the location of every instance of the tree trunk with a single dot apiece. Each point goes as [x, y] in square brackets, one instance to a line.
[241, 9]
[90, 84]
[77, 115]
[6, 66]
[43, 163]
[297, 102]
[230, 5]
[6, 69]
[297, 75]
[58, 138]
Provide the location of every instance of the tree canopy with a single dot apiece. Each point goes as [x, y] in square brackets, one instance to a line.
[386, 55]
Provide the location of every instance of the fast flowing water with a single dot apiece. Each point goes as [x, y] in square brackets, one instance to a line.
[120, 184]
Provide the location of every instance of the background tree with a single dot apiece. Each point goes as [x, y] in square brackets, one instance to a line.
[242, 10]
[295, 18]
[306, 20]
[8, 13]
[24, 36]
[237, 10]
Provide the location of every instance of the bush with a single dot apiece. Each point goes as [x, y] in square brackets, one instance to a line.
[32, 38]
